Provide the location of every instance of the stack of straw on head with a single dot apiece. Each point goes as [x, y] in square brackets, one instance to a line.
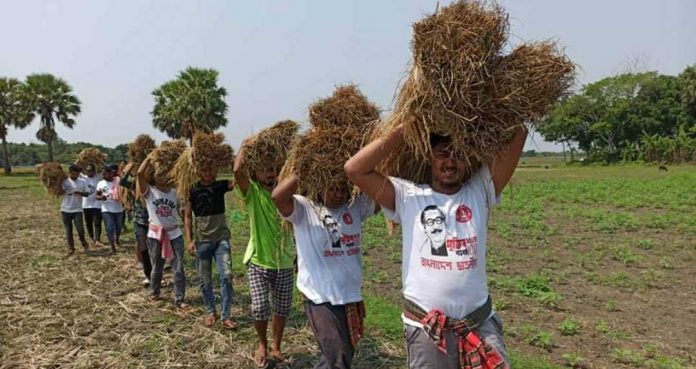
[461, 85]
[139, 149]
[207, 153]
[52, 176]
[92, 156]
[164, 157]
[339, 127]
[269, 148]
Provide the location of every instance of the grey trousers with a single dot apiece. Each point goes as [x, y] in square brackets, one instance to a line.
[154, 248]
[330, 327]
[68, 220]
[423, 354]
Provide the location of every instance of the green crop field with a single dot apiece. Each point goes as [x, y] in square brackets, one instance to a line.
[589, 267]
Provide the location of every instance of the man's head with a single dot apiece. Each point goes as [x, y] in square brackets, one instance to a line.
[448, 170]
[90, 171]
[433, 221]
[74, 171]
[208, 175]
[267, 177]
[337, 194]
[110, 172]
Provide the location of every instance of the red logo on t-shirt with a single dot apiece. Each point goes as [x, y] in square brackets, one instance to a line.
[347, 219]
[463, 214]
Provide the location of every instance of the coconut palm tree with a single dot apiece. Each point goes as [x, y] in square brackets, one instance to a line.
[14, 112]
[191, 102]
[51, 100]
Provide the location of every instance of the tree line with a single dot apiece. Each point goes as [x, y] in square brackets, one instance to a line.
[191, 102]
[632, 116]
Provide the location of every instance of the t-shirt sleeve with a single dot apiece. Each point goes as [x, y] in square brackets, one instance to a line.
[250, 192]
[483, 180]
[299, 210]
[367, 206]
[399, 189]
[223, 186]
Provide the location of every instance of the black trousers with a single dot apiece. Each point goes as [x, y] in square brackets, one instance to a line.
[93, 221]
[68, 220]
[143, 254]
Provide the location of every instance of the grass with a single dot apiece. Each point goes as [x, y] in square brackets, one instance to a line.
[598, 245]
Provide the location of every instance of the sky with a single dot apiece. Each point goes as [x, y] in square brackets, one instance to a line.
[277, 57]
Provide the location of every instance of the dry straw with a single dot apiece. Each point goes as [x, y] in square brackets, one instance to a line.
[269, 148]
[139, 149]
[461, 85]
[92, 156]
[165, 156]
[340, 125]
[52, 176]
[208, 152]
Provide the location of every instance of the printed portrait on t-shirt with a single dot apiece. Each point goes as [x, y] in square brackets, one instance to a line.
[331, 226]
[433, 221]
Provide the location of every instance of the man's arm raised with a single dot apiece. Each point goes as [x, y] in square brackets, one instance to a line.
[282, 195]
[240, 175]
[505, 163]
[361, 168]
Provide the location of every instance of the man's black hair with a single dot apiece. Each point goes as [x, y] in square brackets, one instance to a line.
[75, 168]
[436, 139]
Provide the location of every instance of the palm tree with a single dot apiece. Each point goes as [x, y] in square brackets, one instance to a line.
[52, 100]
[191, 102]
[14, 112]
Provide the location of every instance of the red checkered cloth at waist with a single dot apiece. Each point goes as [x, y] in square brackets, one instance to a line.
[355, 313]
[474, 353]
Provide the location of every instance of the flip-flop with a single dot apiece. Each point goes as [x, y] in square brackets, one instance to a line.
[209, 320]
[229, 324]
[279, 358]
[264, 362]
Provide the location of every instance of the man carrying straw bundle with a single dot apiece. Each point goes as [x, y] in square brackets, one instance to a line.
[91, 207]
[327, 222]
[328, 238]
[207, 232]
[268, 256]
[456, 134]
[165, 240]
[111, 208]
[73, 190]
[141, 221]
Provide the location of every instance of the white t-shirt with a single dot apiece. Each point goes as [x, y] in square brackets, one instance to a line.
[444, 243]
[91, 202]
[72, 203]
[109, 205]
[329, 255]
[162, 208]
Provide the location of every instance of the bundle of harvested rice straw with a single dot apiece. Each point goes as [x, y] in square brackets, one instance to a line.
[52, 176]
[269, 148]
[92, 156]
[139, 149]
[207, 153]
[463, 86]
[340, 125]
[164, 157]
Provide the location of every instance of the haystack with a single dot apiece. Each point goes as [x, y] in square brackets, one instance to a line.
[269, 148]
[165, 156]
[92, 156]
[461, 85]
[208, 152]
[339, 130]
[52, 176]
[139, 149]
[346, 107]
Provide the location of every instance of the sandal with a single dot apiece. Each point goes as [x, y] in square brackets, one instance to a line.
[182, 306]
[260, 361]
[209, 320]
[229, 324]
